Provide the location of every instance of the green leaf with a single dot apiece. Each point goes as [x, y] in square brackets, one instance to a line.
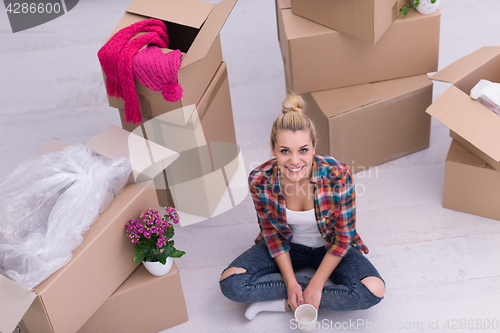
[173, 252]
[167, 250]
[162, 257]
[177, 253]
[143, 245]
[139, 254]
[404, 9]
[169, 232]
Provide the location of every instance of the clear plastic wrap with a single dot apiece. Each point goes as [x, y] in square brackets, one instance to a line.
[46, 205]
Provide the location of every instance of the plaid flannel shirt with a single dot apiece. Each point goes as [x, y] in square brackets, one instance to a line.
[334, 206]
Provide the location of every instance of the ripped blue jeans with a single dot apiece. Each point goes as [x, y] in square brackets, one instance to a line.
[262, 280]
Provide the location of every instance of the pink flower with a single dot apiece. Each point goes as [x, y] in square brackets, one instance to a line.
[151, 227]
[162, 241]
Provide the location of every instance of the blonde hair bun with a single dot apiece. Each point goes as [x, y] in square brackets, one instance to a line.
[293, 119]
[293, 103]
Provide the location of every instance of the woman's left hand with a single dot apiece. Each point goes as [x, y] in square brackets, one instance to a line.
[312, 295]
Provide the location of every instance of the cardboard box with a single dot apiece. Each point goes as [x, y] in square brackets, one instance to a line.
[214, 113]
[65, 300]
[319, 58]
[367, 20]
[471, 124]
[162, 191]
[142, 304]
[470, 184]
[193, 27]
[148, 158]
[370, 124]
[70, 296]
[281, 4]
[205, 138]
[160, 181]
[200, 191]
[21, 328]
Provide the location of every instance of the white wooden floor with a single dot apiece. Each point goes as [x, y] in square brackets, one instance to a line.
[439, 265]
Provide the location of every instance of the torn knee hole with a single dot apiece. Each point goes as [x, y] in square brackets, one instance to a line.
[231, 271]
[375, 285]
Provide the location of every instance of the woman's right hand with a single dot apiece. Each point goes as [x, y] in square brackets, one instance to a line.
[293, 288]
[294, 291]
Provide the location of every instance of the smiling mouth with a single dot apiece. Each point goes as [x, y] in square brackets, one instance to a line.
[295, 169]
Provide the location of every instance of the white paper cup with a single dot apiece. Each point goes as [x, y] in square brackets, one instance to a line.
[306, 316]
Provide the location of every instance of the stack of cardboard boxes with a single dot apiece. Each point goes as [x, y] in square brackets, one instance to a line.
[361, 68]
[472, 168]
[100, 282]
[190, 143]
[200, 125]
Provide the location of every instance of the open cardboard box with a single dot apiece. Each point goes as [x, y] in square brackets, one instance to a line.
[471, 124]
[370, 124]
[476, 195]
[148, 158]
[68, 298]
[193, 27]
[209, 159]
[367, 20]
[142, 304]
[319, 58]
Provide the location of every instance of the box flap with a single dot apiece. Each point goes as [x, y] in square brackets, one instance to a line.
[212, 90]
[469, 119]
[211, 29]
[352, 17]
[14, 302]
[283, 4]
[341, 100]
[190, 13]
[53, 145]
[460, 154]
[337, 101]
[467, 65]
[148, 158]
[298, 27]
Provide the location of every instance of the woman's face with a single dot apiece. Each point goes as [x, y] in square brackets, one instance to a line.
[294, 154]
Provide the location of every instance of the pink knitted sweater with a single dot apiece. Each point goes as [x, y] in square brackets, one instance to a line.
[158, 71]
[116, 60]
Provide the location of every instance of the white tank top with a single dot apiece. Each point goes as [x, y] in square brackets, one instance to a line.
[304, 228]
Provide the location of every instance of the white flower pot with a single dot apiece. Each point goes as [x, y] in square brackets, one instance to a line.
[426, 7]
[157, 268]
